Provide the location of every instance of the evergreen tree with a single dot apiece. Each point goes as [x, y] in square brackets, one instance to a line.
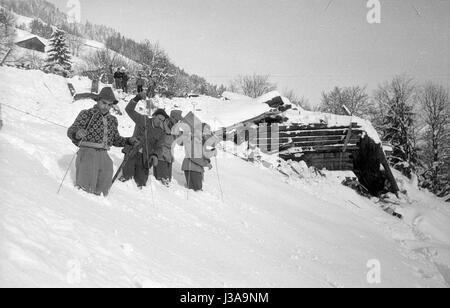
[59, 53]
[396, 120]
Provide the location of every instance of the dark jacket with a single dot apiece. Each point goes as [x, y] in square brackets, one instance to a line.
[140, 82]
[96, 131]
[166, 143]
[145, 130]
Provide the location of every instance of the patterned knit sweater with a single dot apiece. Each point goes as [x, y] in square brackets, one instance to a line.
[102, 132]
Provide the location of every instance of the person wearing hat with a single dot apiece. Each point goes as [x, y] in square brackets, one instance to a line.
[94, 132]
[163, 171]
[150, 133]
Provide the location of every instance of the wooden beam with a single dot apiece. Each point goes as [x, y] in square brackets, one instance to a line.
[386, 166]
[309, 141]
[319, 137]
[315, 127]
[323, 149]
[320, 132]
[5, 57]
[347, 139]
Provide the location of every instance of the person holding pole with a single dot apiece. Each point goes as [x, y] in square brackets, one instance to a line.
[94, 132]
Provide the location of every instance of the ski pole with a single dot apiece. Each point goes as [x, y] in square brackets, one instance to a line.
[218, 177]
[67, 171]
[148, 163]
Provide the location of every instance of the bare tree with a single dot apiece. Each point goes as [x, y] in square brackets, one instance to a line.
[233, 87]
[75, 44]
[157, 69]
[7, 23]
[254, 85]
[291, 96]
[103, 59]
[355, 99]
[435, 105]
[299, 101]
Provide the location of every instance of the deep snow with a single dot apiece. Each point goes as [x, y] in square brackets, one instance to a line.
[268, 231]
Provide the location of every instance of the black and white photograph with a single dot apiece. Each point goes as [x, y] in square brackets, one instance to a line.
[240, 146]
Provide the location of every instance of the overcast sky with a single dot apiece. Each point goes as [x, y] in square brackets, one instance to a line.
[306, 45]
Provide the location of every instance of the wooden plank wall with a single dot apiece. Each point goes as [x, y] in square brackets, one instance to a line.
[318, 145]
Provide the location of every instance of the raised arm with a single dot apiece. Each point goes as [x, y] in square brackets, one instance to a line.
[138, 118]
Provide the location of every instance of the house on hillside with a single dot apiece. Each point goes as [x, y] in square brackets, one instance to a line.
[32, 43]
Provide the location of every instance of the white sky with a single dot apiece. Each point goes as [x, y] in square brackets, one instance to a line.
[306, 45]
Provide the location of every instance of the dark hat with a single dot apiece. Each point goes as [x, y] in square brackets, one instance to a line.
[160, 112]
[107, 94]
[176, 115]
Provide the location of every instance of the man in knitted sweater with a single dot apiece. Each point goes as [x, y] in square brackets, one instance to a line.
[94, 132]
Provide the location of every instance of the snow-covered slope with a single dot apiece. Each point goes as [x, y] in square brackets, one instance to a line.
[79, 63]
[267, 231]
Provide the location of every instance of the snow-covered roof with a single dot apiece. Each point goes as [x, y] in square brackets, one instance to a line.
[270, 96]
[332, 120]
[218, 113]
[262, 99]
[235, 96]
[94, 44]
[22, 35]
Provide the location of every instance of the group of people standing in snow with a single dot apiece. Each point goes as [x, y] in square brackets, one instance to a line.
[151, 147]
[122, 79]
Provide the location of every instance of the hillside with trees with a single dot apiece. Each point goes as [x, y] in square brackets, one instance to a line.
[170, 79]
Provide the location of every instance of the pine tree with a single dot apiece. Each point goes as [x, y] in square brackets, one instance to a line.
[59, 53]
[396, 120]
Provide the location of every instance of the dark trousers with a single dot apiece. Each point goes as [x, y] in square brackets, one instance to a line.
[94, 171]
[140, 89]
[135, 168]
[194, 180]
[118, 83]
[163, 171]
[125, 86]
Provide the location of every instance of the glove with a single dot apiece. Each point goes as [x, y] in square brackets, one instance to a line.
[134, 141]
[140, 96]
[154, 160]
[127, 149]
[81, 134]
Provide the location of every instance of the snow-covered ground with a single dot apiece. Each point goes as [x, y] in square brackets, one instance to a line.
[268, 230]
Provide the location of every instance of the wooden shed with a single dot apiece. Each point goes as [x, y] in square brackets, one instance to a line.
[32, 43]
[320, 145]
